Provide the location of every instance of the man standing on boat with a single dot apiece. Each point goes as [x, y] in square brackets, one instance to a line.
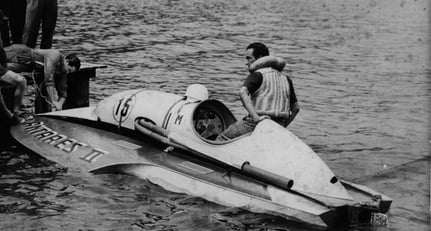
[55, 65]
[266, 93]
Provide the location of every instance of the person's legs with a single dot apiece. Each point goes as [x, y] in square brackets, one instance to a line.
[5, 6]
[49, 19]
[32, 23]
[17, 20]
[237, 129]
[4, 111]
[12, 79]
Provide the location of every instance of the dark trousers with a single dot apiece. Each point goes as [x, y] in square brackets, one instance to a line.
[40, 12]
[12, 31]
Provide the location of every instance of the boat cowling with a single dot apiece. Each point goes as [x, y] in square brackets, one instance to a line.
[123, 108]
[203, 118]
[194, 123]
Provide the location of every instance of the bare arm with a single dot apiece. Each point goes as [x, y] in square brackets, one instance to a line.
[51, 61]
[50, 90]
[248, 105]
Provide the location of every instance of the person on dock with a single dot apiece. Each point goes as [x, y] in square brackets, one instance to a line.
[56, 66]
[12, 30]
[266, 93]
[9, 79]
[40, 12]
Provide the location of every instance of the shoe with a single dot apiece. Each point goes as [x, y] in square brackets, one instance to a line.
[26, 109]
[15, 120]
[19, 113]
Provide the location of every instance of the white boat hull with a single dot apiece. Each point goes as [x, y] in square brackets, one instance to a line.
[268, 171]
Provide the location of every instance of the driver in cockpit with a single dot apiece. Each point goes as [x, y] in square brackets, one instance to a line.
[266, 93]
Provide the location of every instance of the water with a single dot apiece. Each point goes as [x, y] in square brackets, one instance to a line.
[362, 75]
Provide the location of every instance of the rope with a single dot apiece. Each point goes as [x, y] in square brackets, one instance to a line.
[32, 74]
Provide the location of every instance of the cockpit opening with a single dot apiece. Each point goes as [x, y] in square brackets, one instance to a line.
[210, 118]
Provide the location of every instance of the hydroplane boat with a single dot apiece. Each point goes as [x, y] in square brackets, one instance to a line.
[169, 140]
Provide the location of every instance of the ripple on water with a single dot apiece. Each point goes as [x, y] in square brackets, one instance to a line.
[360, 70]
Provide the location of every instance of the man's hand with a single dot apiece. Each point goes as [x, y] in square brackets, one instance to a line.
[57, 106]
[260, 118]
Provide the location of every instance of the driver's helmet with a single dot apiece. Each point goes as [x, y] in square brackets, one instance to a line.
[197, 92]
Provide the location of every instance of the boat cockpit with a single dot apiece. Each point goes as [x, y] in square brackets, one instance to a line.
[210, 118]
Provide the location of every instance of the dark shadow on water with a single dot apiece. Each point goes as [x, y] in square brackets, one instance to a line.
[23, 178]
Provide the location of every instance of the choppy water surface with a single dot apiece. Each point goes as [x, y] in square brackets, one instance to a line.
[362, 75]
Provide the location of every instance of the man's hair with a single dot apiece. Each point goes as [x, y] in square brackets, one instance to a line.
[73, 61]
[259, 50]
